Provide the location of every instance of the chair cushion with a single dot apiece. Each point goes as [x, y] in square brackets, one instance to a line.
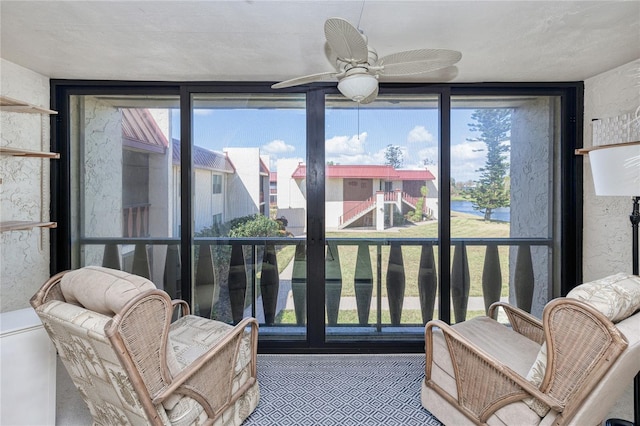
[616, 296]
[102, 290]
[536, 376]
[500, 342]
[192, 336]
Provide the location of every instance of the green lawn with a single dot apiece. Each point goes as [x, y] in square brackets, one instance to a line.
[409, 316]
[462, 226]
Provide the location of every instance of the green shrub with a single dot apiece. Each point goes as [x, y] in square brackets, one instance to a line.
[254, 226]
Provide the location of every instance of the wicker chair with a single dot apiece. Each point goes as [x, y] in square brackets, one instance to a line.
[113, 332]
[480, 371]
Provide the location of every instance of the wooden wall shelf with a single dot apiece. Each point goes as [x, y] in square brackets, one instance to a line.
[26, 153]
[23, 225]
[14, 105]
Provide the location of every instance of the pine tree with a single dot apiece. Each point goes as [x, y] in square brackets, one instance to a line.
[393, 156]
[491, 190]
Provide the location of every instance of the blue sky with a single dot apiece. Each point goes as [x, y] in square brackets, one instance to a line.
[350, 139]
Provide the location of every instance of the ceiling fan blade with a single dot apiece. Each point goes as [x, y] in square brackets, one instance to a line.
[419, 61]
[331, 55]
[372, 97]
[346, 41]
[305, 79]
[439, 75]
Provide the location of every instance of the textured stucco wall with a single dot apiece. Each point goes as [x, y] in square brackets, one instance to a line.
[24, 191]
[101, 162]
[531, 174]
[607, 229]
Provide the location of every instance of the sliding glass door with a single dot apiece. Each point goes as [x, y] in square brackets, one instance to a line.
[249, 215]
[340, 227]
[381, 216]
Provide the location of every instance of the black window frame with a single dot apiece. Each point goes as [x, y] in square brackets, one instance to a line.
[571, 169]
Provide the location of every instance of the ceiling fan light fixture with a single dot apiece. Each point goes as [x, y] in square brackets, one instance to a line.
[358, 87]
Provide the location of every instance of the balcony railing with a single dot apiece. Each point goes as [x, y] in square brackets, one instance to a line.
[136, 220]
[250, 283]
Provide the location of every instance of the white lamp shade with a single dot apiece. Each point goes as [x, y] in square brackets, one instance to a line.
[616, 169]
[358, 86]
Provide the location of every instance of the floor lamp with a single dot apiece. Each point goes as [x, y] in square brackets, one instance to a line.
[616, 172]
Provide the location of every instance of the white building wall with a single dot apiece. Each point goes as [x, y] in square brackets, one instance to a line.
[333, 205]
[244, 186]
[175, 185]
[433, 191]
[24, 192]
[290, 195]
[607, 229]
[202, 204]
[218, 202]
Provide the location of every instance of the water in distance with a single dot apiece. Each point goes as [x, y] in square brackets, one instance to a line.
[502, 214]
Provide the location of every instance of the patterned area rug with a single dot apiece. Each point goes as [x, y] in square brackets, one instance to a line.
[341, 390]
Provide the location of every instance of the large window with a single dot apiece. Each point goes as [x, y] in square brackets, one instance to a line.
[248, 264]
[339, 226]
[503, 168]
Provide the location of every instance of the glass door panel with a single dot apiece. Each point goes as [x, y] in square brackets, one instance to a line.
[124, 182]
[381, 216]
[503, 165]
[249, 210]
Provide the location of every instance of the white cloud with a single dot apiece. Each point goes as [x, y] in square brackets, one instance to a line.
[419, 134]
[345, 145]
[277, 146]
[351, 150]
[466, 158]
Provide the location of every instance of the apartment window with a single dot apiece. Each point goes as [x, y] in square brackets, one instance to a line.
[216, 184]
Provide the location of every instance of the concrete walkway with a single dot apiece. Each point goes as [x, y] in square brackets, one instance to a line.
[347, 303]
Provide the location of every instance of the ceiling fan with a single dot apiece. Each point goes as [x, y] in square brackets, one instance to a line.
[358, 68]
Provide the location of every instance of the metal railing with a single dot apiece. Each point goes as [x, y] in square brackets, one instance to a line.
[249, 283]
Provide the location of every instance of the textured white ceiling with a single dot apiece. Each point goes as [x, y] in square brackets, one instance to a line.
[507, 41]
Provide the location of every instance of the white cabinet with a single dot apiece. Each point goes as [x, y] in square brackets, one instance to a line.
[27, 370]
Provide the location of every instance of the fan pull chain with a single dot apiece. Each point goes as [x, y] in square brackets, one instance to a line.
[358, 121]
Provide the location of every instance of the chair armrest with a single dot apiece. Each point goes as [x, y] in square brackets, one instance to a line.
[484, 384]
[522, 322]
[209, 378]
[178, 303]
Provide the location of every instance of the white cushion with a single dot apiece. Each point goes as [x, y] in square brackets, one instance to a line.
[616, 296]
[101, 289]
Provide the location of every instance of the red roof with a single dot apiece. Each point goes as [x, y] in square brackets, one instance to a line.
[140, 131]
[367, 172]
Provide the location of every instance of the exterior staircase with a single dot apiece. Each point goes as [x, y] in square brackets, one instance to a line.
[357, 212]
